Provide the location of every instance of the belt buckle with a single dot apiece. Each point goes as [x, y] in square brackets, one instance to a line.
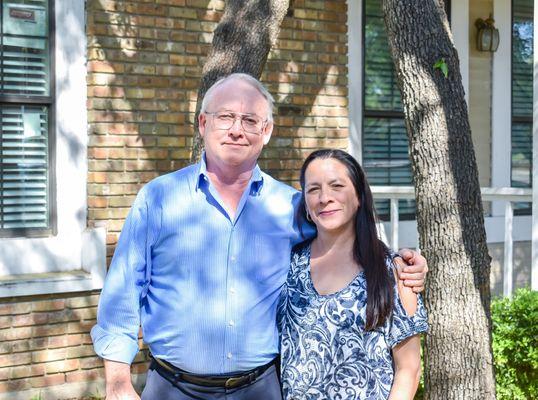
[233, 382]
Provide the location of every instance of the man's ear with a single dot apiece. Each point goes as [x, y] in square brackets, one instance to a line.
[202, 121]
[267, 131]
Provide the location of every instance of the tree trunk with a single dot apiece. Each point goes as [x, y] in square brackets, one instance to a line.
[458, 357]
[241, 43]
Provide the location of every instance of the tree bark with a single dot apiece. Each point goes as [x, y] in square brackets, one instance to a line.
[458, 357]
[241, 43]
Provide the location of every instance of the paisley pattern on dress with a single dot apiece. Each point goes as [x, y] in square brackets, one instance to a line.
[326, 353]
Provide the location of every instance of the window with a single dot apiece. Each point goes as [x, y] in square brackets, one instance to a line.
[385, 149]
[522, 72]
[384, 143]
[43, 145]
[26, 108]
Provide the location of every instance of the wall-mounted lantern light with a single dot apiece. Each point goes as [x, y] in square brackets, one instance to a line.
[487, 38]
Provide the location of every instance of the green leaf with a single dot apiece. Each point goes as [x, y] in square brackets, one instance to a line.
[442, 65]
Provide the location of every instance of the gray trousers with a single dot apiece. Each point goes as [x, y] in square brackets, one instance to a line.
[265, 387]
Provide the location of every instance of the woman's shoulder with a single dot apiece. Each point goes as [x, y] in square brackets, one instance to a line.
[300, 257]
[301, 249]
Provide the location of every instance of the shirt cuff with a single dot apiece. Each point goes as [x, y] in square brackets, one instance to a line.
[113, 347]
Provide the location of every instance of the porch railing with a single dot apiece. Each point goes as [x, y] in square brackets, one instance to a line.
[505, 195]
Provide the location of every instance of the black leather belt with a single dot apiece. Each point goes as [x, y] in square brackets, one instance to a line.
[174, 375]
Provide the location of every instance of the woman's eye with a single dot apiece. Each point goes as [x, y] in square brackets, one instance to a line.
[312, 190]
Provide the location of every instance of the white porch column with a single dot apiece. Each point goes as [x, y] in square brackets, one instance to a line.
[534, 271]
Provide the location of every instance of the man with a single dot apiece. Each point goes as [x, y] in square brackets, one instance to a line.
[200, 264]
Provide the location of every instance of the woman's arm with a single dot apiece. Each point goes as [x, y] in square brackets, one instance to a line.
[406, 354]
[407, 369]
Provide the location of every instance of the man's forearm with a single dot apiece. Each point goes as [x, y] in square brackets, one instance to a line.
[118, 380]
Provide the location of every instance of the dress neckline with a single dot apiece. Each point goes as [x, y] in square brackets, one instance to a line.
[359, 276]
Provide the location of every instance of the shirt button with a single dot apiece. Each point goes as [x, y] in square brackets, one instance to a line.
[231, 323]
[232, 290]
[229, 355]
[232, 258]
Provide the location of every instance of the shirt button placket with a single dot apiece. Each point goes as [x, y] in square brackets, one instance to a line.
[230, 298]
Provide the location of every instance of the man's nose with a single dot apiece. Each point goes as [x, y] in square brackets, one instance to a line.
[236, 128]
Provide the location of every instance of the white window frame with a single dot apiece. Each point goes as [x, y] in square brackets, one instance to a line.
[75, 258]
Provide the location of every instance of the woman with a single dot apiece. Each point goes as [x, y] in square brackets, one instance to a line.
[338, 342]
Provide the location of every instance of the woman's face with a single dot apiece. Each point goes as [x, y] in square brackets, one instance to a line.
[331, 199]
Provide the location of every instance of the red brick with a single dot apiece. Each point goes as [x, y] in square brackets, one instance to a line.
[48, 380]
[85, 375]
[15, 385]
[48, 330]
[90, 362]
[80, 351]
[15, 308]
[48, 305]
[15, 359]
[15, 333]
[49, 355]
[62, 366]
[27, 371]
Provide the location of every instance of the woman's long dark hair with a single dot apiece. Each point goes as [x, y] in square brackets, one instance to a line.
[368, 250]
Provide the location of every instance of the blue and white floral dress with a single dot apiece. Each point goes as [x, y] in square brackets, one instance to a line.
[326, 352]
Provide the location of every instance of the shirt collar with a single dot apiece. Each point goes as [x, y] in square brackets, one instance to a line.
[255, 183]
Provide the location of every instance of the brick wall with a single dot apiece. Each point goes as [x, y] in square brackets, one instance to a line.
[45, 341]
[144, 64]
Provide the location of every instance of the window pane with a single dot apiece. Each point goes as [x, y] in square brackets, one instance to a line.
[380, 88]
[522, 92]
[25, 48]
[23, 168]
[386, 160]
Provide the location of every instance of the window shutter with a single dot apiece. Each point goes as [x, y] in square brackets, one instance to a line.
[23, 169]
[25, 66]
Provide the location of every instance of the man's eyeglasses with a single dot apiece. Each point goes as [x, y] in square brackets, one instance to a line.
[250, 123]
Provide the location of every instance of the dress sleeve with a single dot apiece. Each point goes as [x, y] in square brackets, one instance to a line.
[403, 325]
[115, 336]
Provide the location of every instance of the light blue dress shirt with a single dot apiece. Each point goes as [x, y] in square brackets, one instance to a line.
[203, 285]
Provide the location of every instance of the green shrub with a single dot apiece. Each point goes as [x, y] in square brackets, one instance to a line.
[515, 345]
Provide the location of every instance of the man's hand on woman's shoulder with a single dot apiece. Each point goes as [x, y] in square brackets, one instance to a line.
[412, 269]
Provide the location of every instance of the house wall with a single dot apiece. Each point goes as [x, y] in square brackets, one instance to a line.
[144, 65]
